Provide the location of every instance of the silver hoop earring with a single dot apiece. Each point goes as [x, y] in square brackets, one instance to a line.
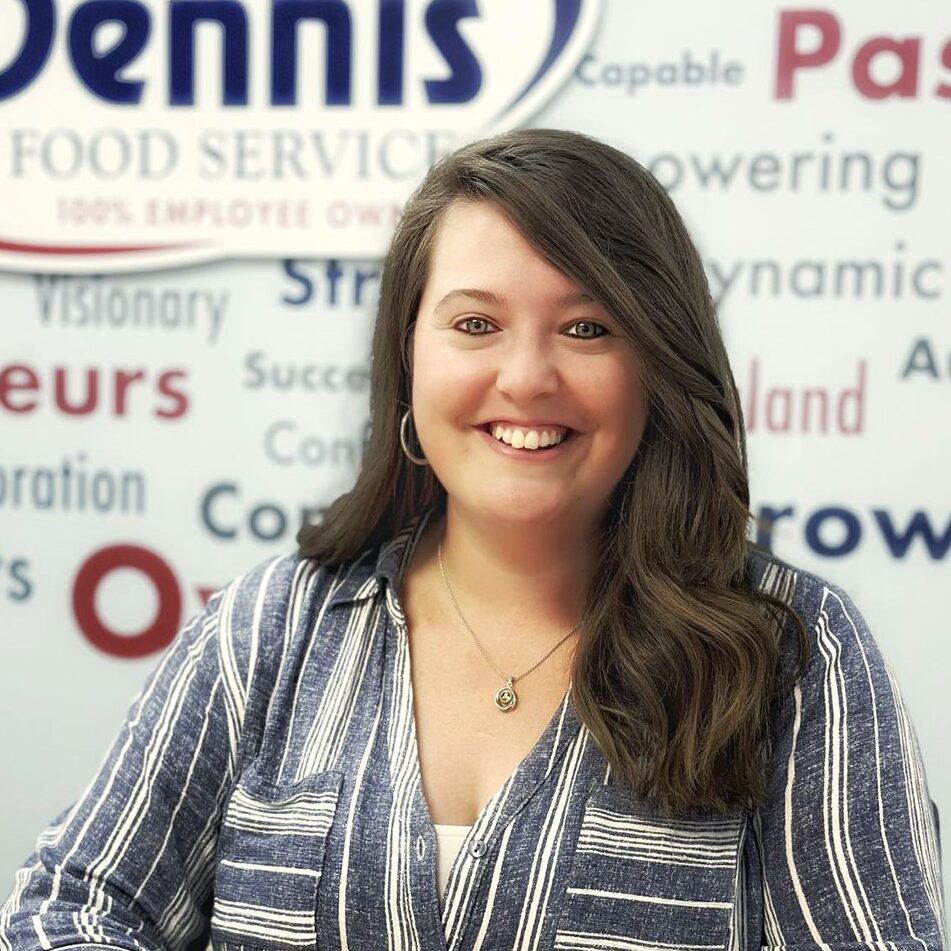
[419, 461]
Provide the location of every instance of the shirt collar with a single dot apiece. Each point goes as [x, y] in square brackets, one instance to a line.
[365, 576]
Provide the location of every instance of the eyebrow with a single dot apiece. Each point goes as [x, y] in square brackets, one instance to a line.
[570, 299]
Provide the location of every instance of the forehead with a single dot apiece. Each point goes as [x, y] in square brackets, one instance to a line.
[477, 245]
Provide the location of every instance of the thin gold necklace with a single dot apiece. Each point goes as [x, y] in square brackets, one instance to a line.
[506, 697]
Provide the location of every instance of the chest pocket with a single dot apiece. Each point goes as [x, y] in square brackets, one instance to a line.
[638, 879]
[270, 854]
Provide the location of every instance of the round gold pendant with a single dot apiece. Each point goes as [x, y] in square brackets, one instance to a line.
[506, 698]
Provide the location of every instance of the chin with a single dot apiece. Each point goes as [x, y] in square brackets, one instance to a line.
[523, 511]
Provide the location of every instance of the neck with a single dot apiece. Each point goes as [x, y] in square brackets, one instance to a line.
[521, 589]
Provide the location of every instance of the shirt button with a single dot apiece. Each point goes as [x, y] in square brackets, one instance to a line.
[477, 848]
[420, 847]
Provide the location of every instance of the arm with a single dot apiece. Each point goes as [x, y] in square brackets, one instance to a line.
[846, 838]
[131, 864]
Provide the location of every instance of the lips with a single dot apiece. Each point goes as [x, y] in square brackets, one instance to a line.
[487, 426]
[525, 424]
[534, 444]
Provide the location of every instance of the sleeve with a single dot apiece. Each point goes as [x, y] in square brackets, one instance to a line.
[847, 845]
[130, 865]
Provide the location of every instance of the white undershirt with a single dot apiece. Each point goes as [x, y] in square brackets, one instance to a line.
[448, 841]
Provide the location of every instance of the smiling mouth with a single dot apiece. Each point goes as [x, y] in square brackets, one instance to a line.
[539, 440]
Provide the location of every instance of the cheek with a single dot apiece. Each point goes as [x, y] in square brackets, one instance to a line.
[445, 388]
[426, 376]
[620, 391]
[626, 402]
[433, 385]
[443, 371]
[639, 405]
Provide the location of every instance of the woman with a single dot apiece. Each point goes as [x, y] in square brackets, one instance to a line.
[527, 686]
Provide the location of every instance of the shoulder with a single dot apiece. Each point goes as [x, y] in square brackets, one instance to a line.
[808, 594]
[284, 593]
[846, 678]
[846, 786]
[825, 609]
[274, 614]
[845, 667]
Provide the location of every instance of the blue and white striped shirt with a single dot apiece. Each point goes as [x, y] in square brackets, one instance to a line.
[265, 793]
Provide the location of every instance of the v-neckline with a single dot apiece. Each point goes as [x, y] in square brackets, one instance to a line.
[396, 610]
[500, 809]
[508, 800]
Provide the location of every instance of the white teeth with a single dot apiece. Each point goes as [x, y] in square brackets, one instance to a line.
[526, 438]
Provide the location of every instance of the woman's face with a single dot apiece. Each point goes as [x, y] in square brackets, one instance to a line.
[506, 342]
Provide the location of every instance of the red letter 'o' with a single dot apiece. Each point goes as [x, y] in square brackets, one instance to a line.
[159, 633]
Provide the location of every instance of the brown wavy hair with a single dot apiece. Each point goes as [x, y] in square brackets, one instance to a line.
[678, 661]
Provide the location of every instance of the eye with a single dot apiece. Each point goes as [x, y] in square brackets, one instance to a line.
[479, 331]
[590, 330]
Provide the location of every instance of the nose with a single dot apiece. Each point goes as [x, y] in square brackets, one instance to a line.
[527, 369]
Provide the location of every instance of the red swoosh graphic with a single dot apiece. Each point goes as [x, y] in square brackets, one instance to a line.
[19, 247]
